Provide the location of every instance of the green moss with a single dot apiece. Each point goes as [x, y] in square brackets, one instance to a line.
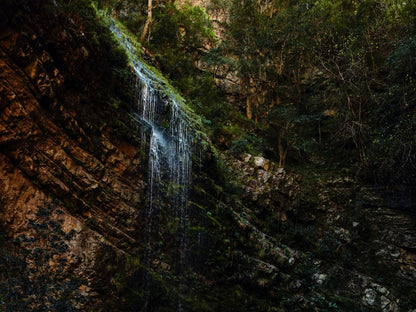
[159, 80]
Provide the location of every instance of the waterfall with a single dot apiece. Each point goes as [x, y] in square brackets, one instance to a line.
[166, 133]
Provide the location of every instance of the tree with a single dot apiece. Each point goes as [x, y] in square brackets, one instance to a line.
[148, 20]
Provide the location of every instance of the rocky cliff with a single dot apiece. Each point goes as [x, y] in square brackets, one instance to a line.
[62, 147]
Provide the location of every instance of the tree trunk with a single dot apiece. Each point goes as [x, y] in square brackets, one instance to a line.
[282, 153]
[148, 20]
[249, 111]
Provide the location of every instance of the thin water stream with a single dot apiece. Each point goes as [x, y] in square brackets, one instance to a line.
[166, 133]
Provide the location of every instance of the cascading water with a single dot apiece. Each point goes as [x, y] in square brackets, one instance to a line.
[165, 131]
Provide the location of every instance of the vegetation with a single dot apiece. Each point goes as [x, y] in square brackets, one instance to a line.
[300, 76]
[328, 73]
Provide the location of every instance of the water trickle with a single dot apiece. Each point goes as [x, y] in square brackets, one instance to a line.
[165, 131]
[170, 135]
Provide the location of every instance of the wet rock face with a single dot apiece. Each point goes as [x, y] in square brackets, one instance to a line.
[59, 144]
[263, 182]
[362, 249]
[373, 235]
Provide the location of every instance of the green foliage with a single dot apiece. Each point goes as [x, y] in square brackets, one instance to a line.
[331, 62]
[392, 156]
[180, 38]
[249, 143]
